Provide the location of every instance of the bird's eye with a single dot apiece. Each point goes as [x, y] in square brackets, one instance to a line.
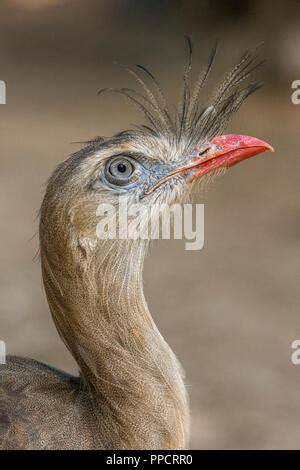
[120, 171]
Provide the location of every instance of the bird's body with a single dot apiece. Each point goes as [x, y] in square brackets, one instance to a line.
[42, 408]
[130, 393]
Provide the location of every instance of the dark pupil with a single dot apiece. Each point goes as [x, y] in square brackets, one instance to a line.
[121, 167]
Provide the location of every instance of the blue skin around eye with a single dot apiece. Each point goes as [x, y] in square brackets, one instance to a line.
[150, 174]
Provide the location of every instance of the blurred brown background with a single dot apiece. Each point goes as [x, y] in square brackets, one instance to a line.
[230, 311]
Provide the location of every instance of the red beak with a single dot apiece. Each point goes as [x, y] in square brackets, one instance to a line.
[226, 151]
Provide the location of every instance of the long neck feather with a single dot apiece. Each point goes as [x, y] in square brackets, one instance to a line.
[96, 298]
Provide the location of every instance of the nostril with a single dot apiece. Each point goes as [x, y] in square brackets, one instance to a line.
[203, 151]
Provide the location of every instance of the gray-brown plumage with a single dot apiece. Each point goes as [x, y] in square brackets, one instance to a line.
[130, 392]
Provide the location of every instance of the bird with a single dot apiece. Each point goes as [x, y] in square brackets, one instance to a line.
[130, 391]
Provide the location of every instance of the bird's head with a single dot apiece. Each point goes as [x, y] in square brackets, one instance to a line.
[154, 164]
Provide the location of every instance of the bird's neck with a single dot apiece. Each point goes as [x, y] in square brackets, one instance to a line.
[134, 378]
